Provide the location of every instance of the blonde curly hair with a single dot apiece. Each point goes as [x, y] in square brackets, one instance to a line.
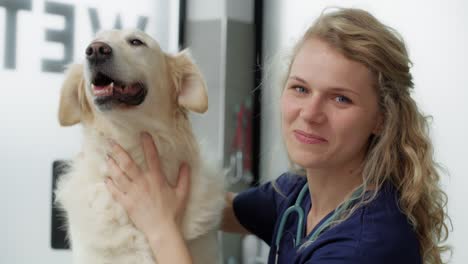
[402, 153]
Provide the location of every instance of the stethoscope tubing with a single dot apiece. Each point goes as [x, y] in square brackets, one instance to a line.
[296, 208]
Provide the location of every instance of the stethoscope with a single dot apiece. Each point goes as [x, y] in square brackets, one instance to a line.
[296, 208]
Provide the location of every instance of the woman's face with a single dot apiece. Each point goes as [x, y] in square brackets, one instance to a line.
[329, 108]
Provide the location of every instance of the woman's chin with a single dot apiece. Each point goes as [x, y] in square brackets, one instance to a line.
[307, 162]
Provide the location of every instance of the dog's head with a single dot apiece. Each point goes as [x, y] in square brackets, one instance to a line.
[126, 70]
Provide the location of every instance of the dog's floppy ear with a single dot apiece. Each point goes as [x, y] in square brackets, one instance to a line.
[190, 85]
[69, 108]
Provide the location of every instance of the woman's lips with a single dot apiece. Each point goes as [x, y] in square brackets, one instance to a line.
[307, 138]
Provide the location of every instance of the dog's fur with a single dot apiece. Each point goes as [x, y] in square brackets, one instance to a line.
[99, 228]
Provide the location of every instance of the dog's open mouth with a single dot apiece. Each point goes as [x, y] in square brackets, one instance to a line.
[107, 90]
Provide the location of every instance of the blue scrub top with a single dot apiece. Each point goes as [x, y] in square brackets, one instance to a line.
[377, 232]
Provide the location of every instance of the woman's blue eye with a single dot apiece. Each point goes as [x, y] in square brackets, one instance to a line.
[300, 89]
[342, 99]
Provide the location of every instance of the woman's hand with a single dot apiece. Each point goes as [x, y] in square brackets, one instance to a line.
[155, 207]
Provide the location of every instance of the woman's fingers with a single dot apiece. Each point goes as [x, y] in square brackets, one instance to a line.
[124, 161]
[115, 192]
[119, 178]
[183, 182]
[151, 154]
[144, 193]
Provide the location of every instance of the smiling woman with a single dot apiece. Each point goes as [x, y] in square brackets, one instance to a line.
[328, 99]
[367, 187]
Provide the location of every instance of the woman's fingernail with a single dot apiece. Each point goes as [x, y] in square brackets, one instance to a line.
[108, 181]
[185, 167]
[145, 134]
[111, 142]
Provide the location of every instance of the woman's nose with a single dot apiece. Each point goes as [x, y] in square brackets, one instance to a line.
[313, 110]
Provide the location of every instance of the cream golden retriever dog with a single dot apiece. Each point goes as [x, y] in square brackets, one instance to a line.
[128, 85]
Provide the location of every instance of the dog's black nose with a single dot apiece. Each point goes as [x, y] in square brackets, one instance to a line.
[98, 52]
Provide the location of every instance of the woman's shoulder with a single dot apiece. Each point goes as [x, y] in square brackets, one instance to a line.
[288, 183]
[384, 211]
[383, 223]
[282, 190]
[383, 230]
[257, 208]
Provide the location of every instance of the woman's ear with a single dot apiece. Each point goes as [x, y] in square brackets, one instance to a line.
[189, 83]
[69, 107]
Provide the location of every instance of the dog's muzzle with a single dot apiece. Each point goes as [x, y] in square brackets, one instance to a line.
[109, 91]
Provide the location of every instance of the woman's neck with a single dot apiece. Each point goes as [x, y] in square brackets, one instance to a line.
[328, 188]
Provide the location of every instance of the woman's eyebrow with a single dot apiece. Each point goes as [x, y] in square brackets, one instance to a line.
[296, 78]
[334, 89]
[341, 89]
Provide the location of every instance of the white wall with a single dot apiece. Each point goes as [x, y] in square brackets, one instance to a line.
[30, 136]
[437, 39]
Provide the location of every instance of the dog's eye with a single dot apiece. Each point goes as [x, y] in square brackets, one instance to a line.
[135, 42]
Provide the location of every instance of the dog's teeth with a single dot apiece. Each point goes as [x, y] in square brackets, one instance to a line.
[112, 85]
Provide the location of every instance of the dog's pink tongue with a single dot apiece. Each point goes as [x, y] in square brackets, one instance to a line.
[128, 90]
[103, 90]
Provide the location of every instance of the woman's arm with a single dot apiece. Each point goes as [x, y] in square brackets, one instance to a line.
[169, 246]
[230, 223]
[155, 207]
